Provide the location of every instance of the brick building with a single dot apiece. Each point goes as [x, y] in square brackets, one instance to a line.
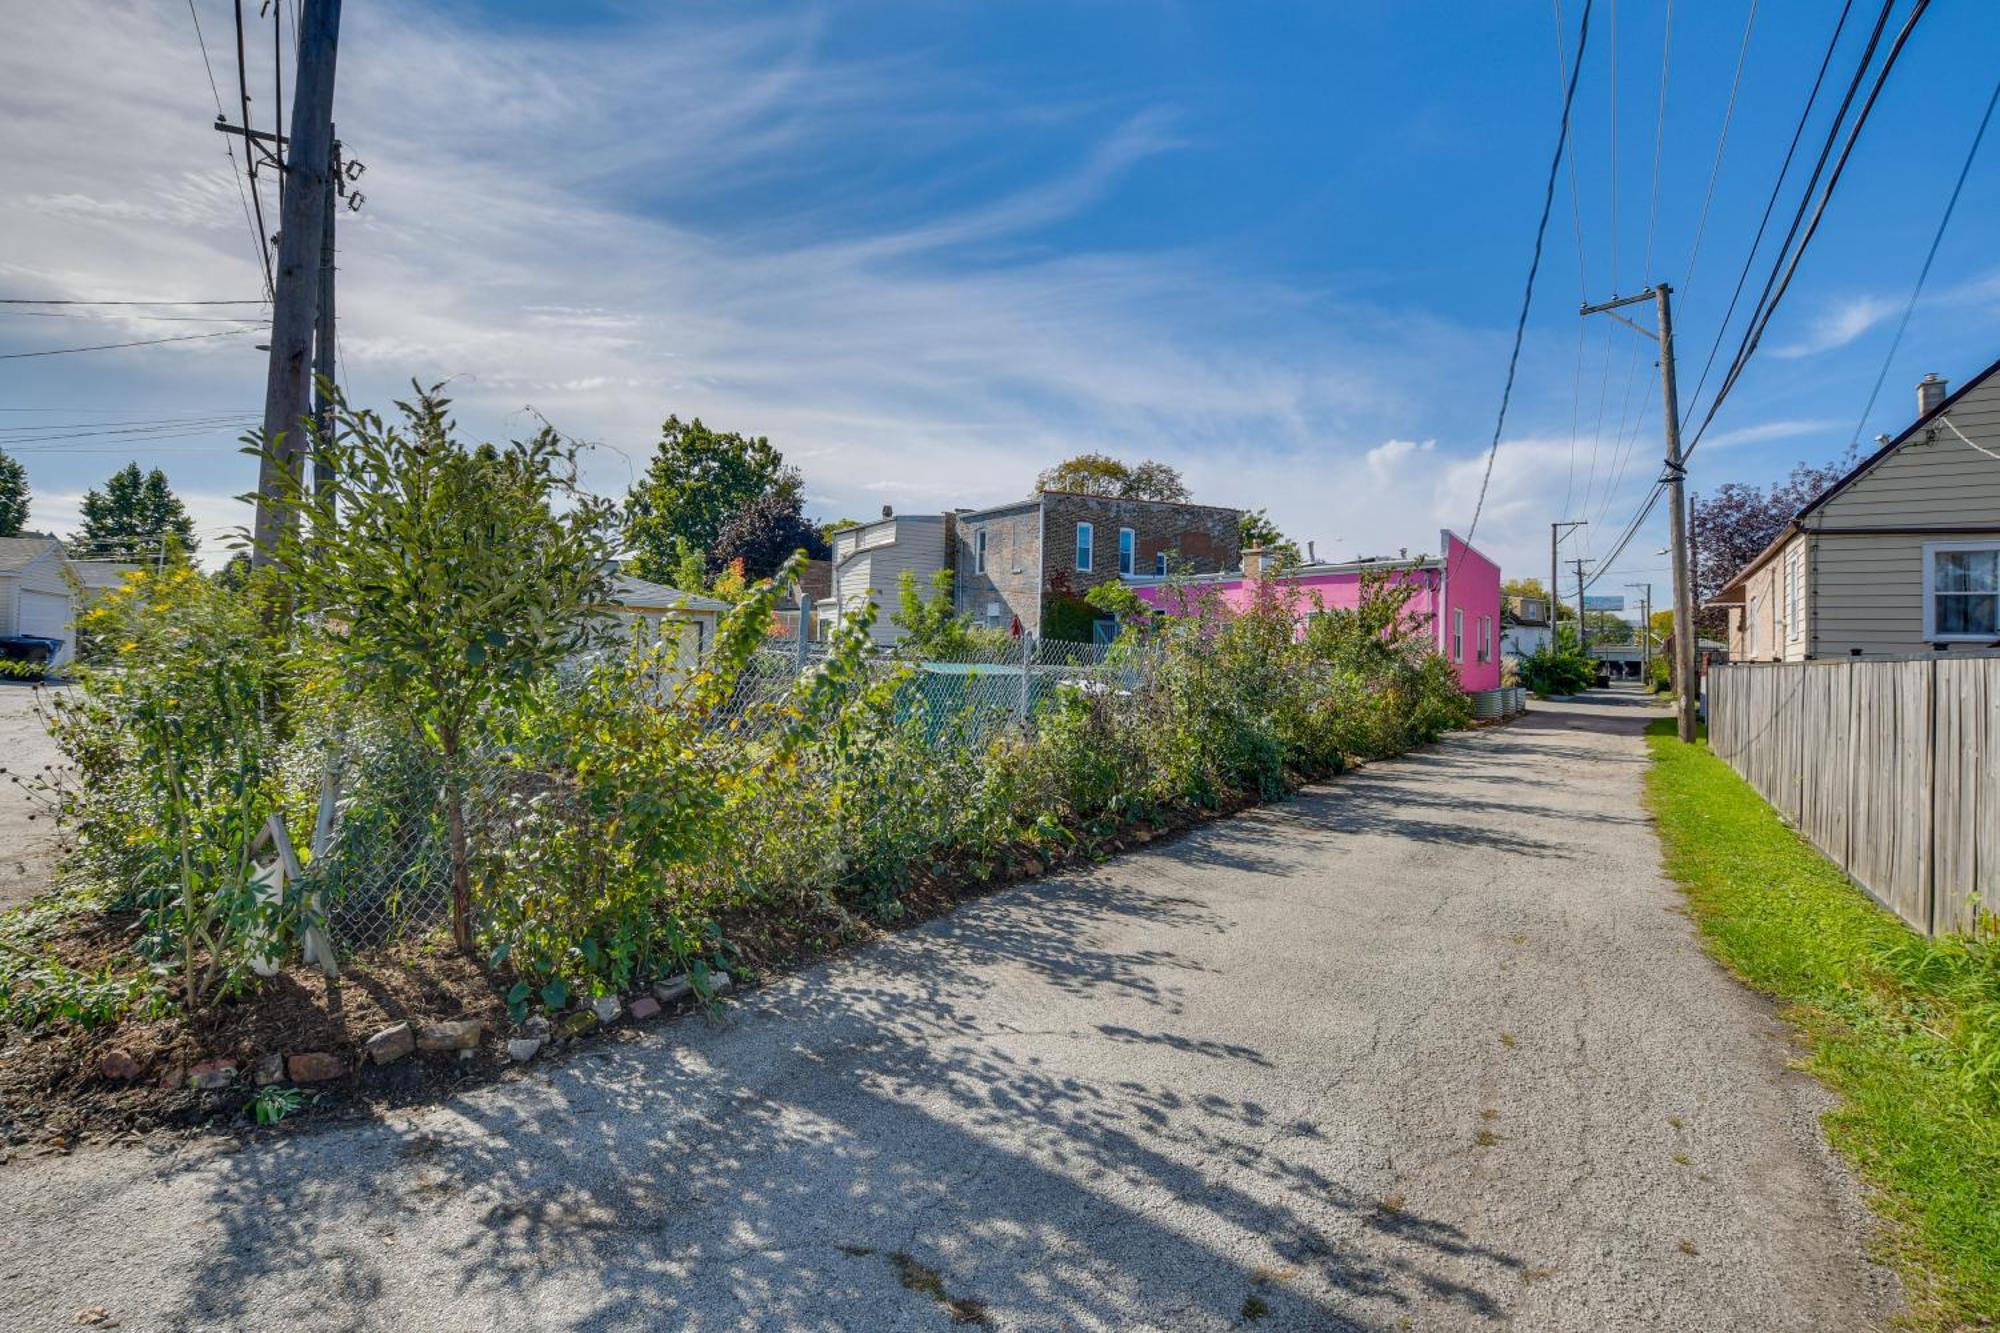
[1020, 560]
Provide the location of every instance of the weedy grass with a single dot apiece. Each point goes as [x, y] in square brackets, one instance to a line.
[1903, 1029]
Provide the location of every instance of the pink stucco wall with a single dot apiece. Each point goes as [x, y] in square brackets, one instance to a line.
[1464, 581]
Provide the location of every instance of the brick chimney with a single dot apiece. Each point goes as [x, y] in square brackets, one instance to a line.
[1930, 393]
[1256, 563]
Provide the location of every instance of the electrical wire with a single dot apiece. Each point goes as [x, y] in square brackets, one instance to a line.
[229, 150]
[250, 157]
[1534, 267]
[142, 342]
[1721, 142]
[1948, 425]
[36, 300]
[1659, 141]
[1930, 256]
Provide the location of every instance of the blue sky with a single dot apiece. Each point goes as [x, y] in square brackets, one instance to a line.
[930, 249]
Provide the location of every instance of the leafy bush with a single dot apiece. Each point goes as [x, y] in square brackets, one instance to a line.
[1560, 667]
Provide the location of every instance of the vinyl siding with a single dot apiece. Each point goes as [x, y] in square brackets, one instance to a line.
[1934, 479]
[44, 574]
[1764, 636]
[869, 563]
[1869, 587]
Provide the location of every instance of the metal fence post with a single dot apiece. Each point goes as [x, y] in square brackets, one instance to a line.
[805, 615]
[1027, 656]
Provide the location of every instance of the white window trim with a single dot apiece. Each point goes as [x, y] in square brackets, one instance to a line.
[1128, 551]
[1486, 638]
[979, 551]
[1931, 550]
[1795, 619]
[1086, 547]
[1458, 634]
[1160, 565]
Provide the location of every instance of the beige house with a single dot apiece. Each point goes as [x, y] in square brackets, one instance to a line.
[869, 562]
[657, 612]
[1899, 557]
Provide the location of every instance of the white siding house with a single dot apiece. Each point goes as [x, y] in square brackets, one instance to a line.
[35, 596]
[869, 562]
[1899, 557]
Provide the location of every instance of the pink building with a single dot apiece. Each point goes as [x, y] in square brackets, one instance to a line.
[1457, 600]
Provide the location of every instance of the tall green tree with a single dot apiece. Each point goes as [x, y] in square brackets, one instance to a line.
[132, 518]
[698, 480]
[1101, 474]
[13, 496]
[449, 580]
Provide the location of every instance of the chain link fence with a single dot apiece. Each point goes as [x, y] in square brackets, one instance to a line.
[382, 864]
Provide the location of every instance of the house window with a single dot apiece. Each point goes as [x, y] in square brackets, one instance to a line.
[1795, 620]
[1486, 638]
[1457, 634]
[1160, 564]
[1961, 590]
[979, 552]
[1128, 550]
[1750, 625]
[1085, 536]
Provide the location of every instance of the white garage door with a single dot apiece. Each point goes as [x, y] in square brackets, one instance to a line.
[45, 614]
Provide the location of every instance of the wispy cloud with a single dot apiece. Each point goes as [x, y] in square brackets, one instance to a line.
[1837, 325]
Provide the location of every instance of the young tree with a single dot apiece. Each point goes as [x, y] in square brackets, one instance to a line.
[932, 627]
[765, 533]
[133, 517]
[698, 480]
[1101, 474]
[13, 496]
[1731, 525]
[1254, 528]
[448, 580]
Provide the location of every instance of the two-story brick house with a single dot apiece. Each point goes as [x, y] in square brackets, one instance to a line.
[1019, 561]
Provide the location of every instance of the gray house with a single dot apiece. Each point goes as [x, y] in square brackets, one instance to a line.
[869, 562]
[1900, 556]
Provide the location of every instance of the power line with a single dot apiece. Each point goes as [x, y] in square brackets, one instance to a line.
[1775, 286]
[142, 342]
[1937, 239]
[1659, 141]
[250, 155]
[40, 300]
[1771, 204]
[228, 148]
[1534, 267]
[111, 314]
[1721, 141]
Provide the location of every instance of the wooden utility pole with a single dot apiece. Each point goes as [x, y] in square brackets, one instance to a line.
[295, 301]
[1582, 631]
[1645, 630]
[323, 326]
[1557, 531]
[1675, 480]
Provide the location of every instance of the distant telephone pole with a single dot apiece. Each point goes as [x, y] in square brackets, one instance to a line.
[1582, 632]
[1557, 531]
[302, 223]
[1645, 629]
[1675, 478]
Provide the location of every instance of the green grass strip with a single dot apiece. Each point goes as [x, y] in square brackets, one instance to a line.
[1903, 1029]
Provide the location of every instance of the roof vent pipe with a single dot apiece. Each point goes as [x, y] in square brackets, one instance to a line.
[888, 511]
[1930, 394]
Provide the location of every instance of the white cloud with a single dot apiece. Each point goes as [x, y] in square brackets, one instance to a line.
[1837, 325]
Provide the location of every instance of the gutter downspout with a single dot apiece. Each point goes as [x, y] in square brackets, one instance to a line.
[1444, 594]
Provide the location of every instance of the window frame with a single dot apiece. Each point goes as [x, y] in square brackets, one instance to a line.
[1486, 638]
[1086, 548]
[1795, 620]
[979, 551]
[1160, 565]
[1458, 634]
[1930, 590]
[1128, 551]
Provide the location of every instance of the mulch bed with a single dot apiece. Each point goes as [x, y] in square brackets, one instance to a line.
[54, 1095]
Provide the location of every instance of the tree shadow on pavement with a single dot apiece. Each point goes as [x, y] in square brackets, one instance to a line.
[793, 1165]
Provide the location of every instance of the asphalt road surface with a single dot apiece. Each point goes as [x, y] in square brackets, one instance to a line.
[1432, 1046]
[27, 828]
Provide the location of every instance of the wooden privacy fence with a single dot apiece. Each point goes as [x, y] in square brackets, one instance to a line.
[1891, 768]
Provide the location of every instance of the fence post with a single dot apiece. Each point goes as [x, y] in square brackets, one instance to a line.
[1027, 655]
[805, 614]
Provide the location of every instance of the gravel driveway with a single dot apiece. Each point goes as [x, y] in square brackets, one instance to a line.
[1429, 1047]
[27, 830]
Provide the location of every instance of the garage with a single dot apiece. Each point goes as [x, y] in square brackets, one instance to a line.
[45, 615]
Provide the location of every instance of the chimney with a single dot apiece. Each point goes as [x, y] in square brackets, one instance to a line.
[888, 511]
[1930, 394]
[1255, 561]
[1312, 557]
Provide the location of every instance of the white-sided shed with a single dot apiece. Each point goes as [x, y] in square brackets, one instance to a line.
[35, 598]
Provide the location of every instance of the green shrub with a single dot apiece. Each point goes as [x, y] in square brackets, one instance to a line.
[1559, 667]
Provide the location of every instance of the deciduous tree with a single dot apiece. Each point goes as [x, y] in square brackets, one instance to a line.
[1101, 474]
[698, 480]
[1731, 525]
[765, 533]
